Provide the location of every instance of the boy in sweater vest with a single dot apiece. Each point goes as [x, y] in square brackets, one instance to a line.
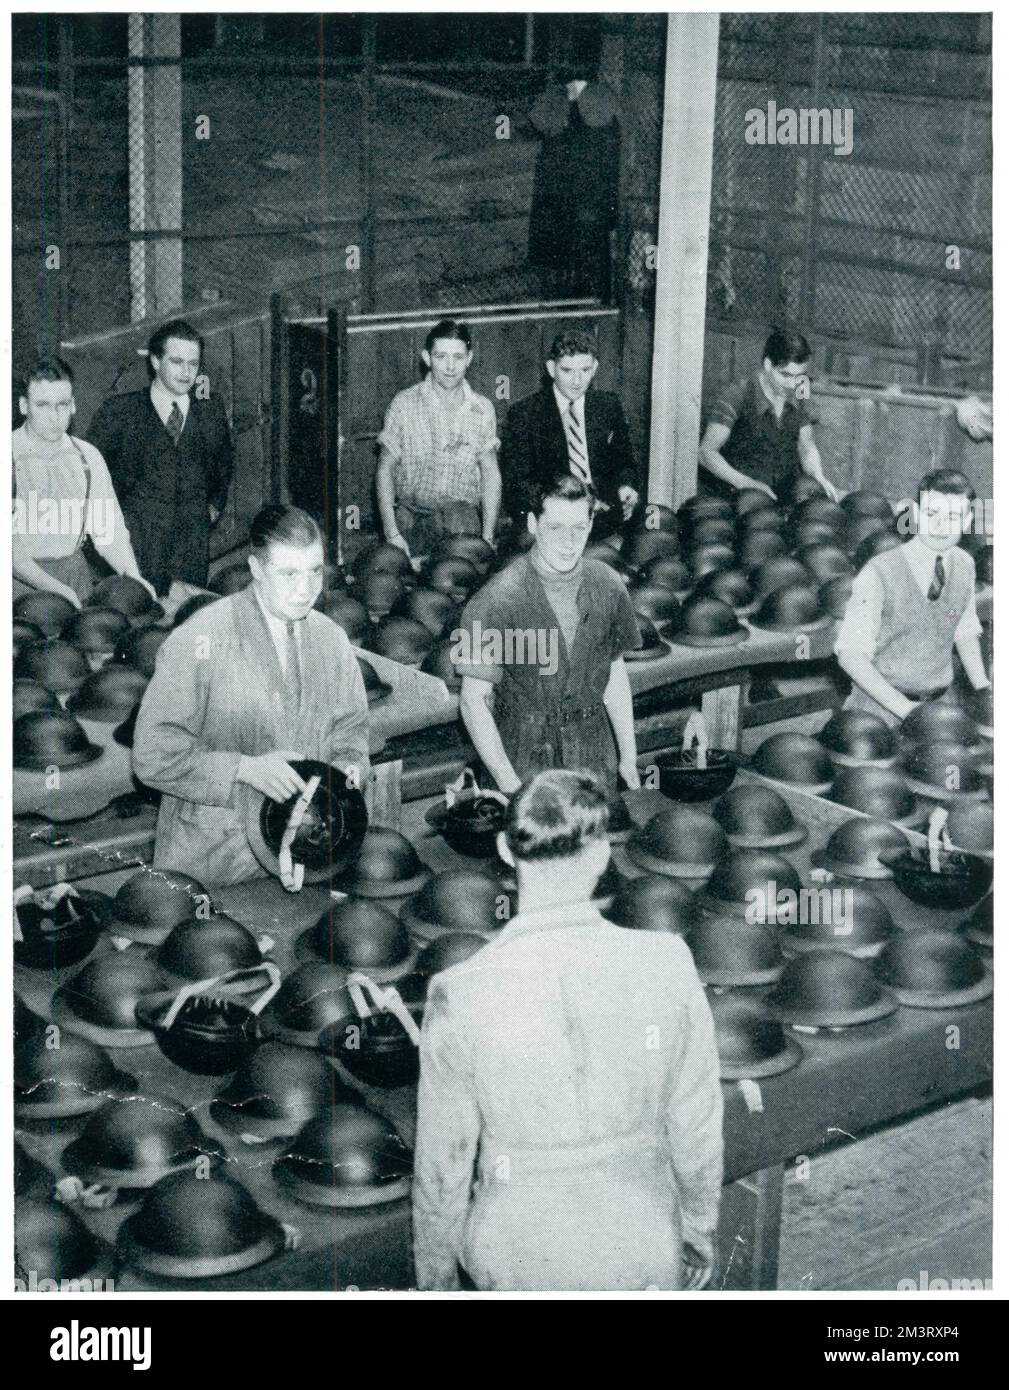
[911, 605]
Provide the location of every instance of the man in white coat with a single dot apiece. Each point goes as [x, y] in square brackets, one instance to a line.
[569, 1129]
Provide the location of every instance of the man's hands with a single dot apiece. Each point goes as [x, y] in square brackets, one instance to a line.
[399, 541]
[760, 487]
[628, 499]
[271, 774]
[628, 769]
[835, 494]
[65, 591]
[698, 1263]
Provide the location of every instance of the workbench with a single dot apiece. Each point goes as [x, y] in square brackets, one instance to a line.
[847, 1083]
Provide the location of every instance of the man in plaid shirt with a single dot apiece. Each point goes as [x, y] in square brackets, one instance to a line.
[437, 470]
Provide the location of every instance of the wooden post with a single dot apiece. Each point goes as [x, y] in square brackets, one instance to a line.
[369, 193]
[155, 163]
[688, 127]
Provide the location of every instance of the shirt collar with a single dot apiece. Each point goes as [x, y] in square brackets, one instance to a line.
[563, 403]
[26, 445]
[549, 919]
[277, 626]
[467, 390]
[762, 403]
[922, 560]
[163, 400]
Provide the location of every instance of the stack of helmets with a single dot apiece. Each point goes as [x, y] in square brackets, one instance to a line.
[709, 557]
[467, 901]
[767, 517]
[198, 1227]
[436, 611]
[878, 543]
[656, 603]
[54, 664]
[655, 902]
[680, 842]
[385, 866]
[110, 695]
[347, 1157]
[751, 499]
[383, 558]
[310, 998]
[946, 772]
[401, 639]
[139, 648]
[792, 608]
[52, 1241]
[756, 817]
[198, 950]
[880, 792]
[701, 508]
[358, 934]
[828, 989]
[375, 688]
[58, 1083]
[153, 902]
[855, 848]
[331, 827]
[100, 1001]
[652, 644]
[129, 596]
[276, 1091]
[826, 562]
[980, 926]
[752, 883]
[474, 549]
[751, 1042]
[47, 739]
[851, 919]
[818, 510]
[44, 612]
[730, 952]
[646, 546]
[380, 594]
[455, 577]
[934, 969]
[758, 546]
[708, 622]
[795, 760]
[231, 580]
[349, 614]
[96, 631]
[712, 531]
[778, 573]
[59, 927]
[730, 586]
[856, 738]
[135, 1141]
[811, 535]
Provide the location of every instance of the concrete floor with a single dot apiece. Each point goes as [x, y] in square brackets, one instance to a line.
[916, 1196]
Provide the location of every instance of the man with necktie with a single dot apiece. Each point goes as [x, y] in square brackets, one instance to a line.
[912, 605]
[240, 690]
[169, 452]
[566, 428]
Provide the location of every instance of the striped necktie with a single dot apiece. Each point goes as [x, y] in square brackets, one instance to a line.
[578, 458]
[175, 422]
[938, 580]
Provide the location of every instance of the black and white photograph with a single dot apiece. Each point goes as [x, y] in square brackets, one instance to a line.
[502, 743]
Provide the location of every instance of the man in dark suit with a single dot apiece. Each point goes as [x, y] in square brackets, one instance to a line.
[170, 457]
[566, 428]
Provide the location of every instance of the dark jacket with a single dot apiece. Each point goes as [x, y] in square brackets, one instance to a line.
[164, 489]
[534, 449]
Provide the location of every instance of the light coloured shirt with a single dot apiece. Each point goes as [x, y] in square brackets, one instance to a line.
[437, 453]
[859, 629]
[277, 628]
[578, 412]
[163, 400]
[49, 513]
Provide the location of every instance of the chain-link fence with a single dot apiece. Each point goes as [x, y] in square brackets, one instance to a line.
[879, 234]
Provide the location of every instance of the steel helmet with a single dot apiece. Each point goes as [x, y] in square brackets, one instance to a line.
[331, 829]
[652, 645]
[766, 517]
[834, 595]
[706, 559]
[701, 508]
[311, 996]
[707, 622]
[825, 562]
[58, 928]
[278, 1089]
[402, 640]
[854, 849]
[455, 577]
[359, 934]
[350, 1157]
[198, 950]
[449, 949]
[800, 487]
[859, 529]
[644, 547]
[462, 901]
[944, 771]
[654, 902]
[192, 606]
[231, 580]
[795, 759]
[862, 503]
[776, 573]
[377, 1049]
[855, 737]
[712, 530]
[861, 927]
[934, 721]
[471, 825]
[881, 792]
[57, 665]
[474, 549]
[100, 1001]
[680, 841]
[384, 559]
[153, 901]
[129, 596]
[386, 866]
[819, 509]
[756, 817]
[878, 543]
[110, 695]
[198, 1227]
[208, 1035]
[681, 777]
[375, 687]
[58, 1083]
[669, 571]
[380, 594]
[136, 1140]
[50, 613]
[657, 603]
[827, 989]
[25, 635]
[971, 826]
[352, 616]
[792, 608]
[53, 1241]
[731, 586]
[815, 534]
[751, 1041]
[140, 648]
[980, 926]
[436, 611]
[741, 880]
[960, 881]
[933, 969]
[55, 739]
[729, 951]
[756, 547]
[750, 499]
[96, 630]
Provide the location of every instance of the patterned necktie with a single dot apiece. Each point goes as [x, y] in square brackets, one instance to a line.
[293, 664]
[578, 458]
[938, 580]
[175, 422]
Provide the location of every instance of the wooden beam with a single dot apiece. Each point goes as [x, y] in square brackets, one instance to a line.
[688, 126]
[155, 164]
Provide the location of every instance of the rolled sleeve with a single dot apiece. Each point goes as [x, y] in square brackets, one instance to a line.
[725, 408]
[859, 629]
[487, 435]
[625, 635]
[391, 438]
[969, 624]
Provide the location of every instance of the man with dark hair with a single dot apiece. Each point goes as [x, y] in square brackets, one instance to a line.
[566, 428]
[540, 652]
[169, 453]
[64, 500]
[241, 689]
[759, 431]
[912, 605]
[437, 467]
[580, 1147]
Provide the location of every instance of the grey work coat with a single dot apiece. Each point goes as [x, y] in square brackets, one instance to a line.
[569, 1129]
[219, 693]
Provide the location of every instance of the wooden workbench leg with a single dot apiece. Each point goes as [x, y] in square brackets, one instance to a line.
[749, 1231]
[723, 714]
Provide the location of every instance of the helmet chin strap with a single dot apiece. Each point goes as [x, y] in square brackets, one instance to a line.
[292, 875]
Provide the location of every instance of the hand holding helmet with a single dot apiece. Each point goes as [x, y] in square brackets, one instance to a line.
[272, 774]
